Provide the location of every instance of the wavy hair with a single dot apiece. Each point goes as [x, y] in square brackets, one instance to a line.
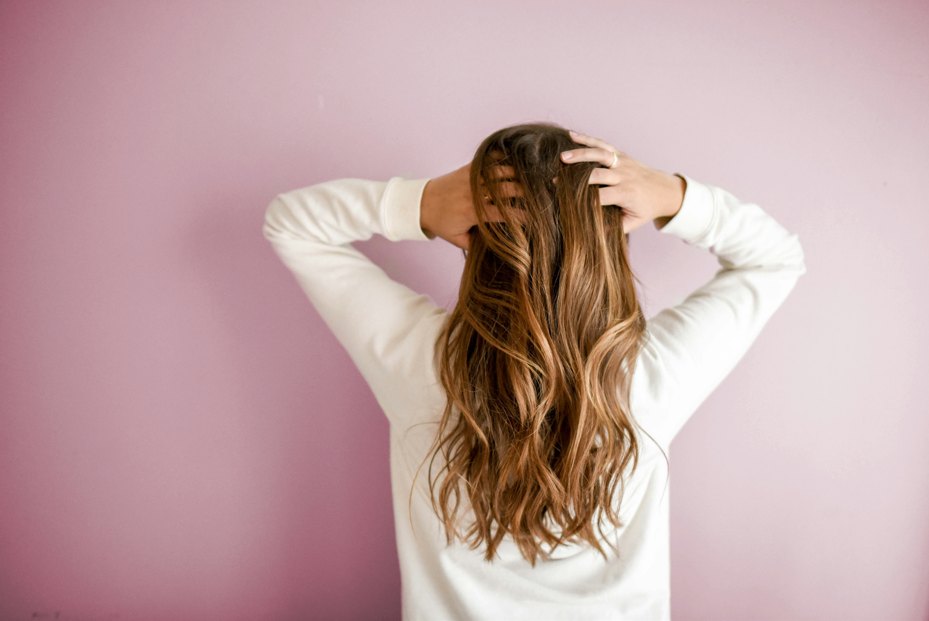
[537, 356]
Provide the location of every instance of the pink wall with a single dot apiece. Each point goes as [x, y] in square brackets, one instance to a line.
[183, 438]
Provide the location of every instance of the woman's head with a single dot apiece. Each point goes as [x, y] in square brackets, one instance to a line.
[538, 353]
[531, 156]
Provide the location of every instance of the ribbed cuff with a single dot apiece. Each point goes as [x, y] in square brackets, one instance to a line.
[401, 209]
[696, 214]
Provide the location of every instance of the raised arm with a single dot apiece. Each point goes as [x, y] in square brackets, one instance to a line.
[380, 322]
[691, 347]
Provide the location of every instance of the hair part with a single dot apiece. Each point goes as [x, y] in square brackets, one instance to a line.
[537, 357]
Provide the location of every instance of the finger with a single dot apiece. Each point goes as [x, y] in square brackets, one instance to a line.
[613, 195]
[590, 141]
[492, 213]
[603, 176]
[594, 154]
[502, 172]
[506, 194]
[507, 189]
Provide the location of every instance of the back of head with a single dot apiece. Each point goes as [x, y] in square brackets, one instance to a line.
[538, 354]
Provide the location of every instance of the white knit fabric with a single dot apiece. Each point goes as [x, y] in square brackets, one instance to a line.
[389, 331]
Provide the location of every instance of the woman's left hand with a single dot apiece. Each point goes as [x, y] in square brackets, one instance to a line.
[642, 192]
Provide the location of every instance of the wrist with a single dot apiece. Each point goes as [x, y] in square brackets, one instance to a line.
[677, 186]
[676, 195]
[425, 209]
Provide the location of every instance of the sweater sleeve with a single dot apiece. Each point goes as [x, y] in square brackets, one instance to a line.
[378, 320]
[691, 347]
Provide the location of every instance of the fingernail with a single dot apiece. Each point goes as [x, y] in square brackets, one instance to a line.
[567, 155]
[572, 132]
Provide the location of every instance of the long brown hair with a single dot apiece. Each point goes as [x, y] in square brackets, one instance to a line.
[537, 356]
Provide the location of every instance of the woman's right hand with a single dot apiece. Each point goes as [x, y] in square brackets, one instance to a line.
[447, 207]
[642, 192]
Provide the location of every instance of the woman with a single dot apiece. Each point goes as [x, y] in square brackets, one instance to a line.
[529, 426]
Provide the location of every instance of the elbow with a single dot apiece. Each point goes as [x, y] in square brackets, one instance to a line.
[274, 227]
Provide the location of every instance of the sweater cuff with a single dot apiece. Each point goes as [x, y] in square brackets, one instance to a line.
[401, 209]
[696, 214]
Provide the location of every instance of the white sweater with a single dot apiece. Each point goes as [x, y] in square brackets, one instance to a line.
[389, 332]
